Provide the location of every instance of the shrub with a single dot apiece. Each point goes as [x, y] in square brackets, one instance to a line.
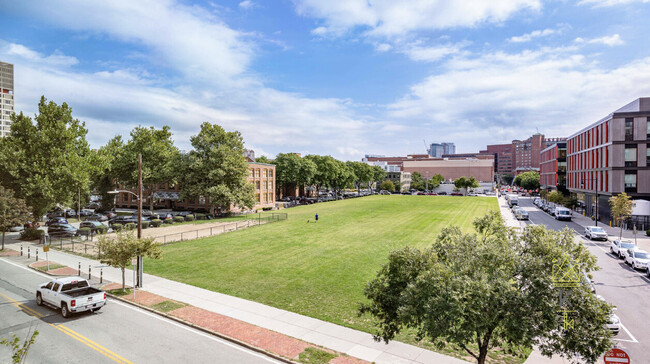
[117, 227]
[200, 216]
[102, 229]
[189, 218]
[178, 219]
[267, 208]
[85, 231]
[145, 224]
[169, 221]
[647, 232]
[31, 234]
[130, 226]
[156, 222]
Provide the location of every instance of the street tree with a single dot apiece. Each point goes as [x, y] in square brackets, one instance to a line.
[436, 180]
[387, 185]
[555, 197]
[47, 160]
[159, 160]
[325, 173]
[363, 173]
[621, 207]
[13, 212]
[466, 183]
[378, 175]
[343, 177]
[492, 288]
[216, 169]
[108, 158]
[527, 180]
[293, 171]
[119, 250]
[417, 182]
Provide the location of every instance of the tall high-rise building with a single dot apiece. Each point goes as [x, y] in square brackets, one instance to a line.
[6, 97]
[449, 148]
[436, 150]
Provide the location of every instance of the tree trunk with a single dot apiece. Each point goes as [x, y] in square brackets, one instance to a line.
[3, 240]
[123, 281]
[482, 356]
[620, 234]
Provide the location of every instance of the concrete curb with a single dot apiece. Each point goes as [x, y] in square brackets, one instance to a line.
[208, 331]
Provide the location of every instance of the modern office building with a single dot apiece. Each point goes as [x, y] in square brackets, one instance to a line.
[449, 148]
[611, 156]
[503, 157]
[6, 97]
[552, 167]
[436, 150]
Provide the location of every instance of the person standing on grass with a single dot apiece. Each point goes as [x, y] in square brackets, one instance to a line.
[316, 217]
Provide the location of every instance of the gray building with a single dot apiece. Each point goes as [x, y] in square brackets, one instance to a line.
[6, 97]
[400, 179]
[449, 148]
[436, 150]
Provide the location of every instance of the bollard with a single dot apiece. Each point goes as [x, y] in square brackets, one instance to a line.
[89, 275]
[28, 252]
[101, 275]
[21, 250]
[37, 254]
[79, 270]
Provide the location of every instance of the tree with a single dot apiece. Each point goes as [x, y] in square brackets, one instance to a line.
[621, 207]
[387, 185]
[13, 212]
[436, 180]
[378, 174]
[325, 171]
[159, 160]
[555, 196]
[19, 352]
[108, 158]
[363, 173]
[342, 177]
[466, 183]
[217, 169]
[263, 159]
[417, 182]
[492, 288]
[119, 251]
[527, 180]
[292, 171]
[46, 162]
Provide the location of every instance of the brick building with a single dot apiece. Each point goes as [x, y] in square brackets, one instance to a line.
[520, 155]
[503, 157]
[552, 167]
[481, 167]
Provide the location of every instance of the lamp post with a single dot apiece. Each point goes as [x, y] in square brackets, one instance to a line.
[426, 181]
[138, 197]
[582, 184]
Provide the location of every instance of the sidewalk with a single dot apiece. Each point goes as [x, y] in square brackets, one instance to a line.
[338, 338]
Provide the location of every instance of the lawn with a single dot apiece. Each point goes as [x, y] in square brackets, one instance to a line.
[317, 269]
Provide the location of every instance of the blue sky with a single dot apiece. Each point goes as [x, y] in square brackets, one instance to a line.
[338, 77]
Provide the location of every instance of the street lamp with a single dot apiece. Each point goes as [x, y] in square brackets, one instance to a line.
[582, 184]
[138, 197]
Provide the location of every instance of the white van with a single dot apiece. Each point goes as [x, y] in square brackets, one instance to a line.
[562, 213]
[513, 200]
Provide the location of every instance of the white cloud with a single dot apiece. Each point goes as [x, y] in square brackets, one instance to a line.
[532, 35]
[399, 17]
[418, 52]
[319, 31]
[383, 47]
[55, 59]
[603, 3]
[613, 40]
[247, 4]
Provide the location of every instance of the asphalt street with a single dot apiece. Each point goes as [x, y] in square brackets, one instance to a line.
[619, 284]
[117, 333]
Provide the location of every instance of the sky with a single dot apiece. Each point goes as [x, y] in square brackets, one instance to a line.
[334, 77]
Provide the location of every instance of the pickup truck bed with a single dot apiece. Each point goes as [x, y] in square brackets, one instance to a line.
[82, 291]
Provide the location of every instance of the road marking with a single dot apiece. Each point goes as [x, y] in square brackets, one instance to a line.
[91, 344]
[27, 269]
[629, 333]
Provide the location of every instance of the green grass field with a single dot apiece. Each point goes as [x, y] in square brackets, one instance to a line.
[317, 269]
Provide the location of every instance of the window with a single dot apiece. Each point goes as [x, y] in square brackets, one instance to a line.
[630, 181]
[629, 129]
[49, 285]
[250, 173]
[270, 173]
[264, 174]
[647, 132]
[56, 287]
[630, 155]
[257, 185]
[647, 155]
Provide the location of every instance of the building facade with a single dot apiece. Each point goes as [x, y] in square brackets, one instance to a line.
[450, 169]
[503, 157]
[448, 148]
[611, 156]
[6, 97]
[401, 179]
[436, 150]
[552, 167]
[520, 155]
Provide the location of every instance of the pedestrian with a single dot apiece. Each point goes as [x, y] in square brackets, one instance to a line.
[316, 218]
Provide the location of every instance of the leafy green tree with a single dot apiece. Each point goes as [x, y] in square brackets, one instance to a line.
[436, 180]
[46, 161]
[378, 174]
[325, 173]
[217, 169]
[108, 158]
[342, 178]
[466, 183]
[417, 182]
[19, 352]
[387, 185]
[159, 160]
[263, 159]
[13, 212]
[555, 196]
[363, 173]
[621, 207]
[293, 171]
[527, 180]
[118, 251]
[493, 288]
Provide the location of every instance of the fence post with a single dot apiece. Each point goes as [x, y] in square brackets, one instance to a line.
[79, 269]
[99, 252]
[72, 240]
[181, 236]
[37, 254]
[85, 248]
[28, 252]
[101, 275]
[89, 274]
[197, 234]
[61, 244]
[21, 250]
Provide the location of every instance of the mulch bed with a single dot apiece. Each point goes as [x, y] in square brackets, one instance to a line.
[9, 253]
[65, 271]
[145, 298]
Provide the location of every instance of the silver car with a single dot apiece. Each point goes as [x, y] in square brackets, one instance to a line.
[595, 232]
[614, 323]
[637, 258]
[619, 247]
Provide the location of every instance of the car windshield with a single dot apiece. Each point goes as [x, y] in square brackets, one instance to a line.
[627, 245]
[74, 285]
[641, 255]
[564, 212]
[597, 230]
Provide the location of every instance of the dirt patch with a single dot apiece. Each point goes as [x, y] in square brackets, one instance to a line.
[144, 298]
[67, 271]
[9, 253]
[41, 263]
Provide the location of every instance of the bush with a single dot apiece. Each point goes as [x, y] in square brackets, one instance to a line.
[200, 216]
[169, 221]
[647, 232]
[145, 224]
[189, 218]
[178, 219]
[117, 227]
[156, 222]
[102, 229]
[31, 234]
[85, 231]
[130, 226]
[267, 208]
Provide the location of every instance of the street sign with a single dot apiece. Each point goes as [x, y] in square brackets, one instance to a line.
[617, 356]
[46, 249]
[134, 261]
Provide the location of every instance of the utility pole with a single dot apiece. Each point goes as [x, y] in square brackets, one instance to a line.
[139, 275]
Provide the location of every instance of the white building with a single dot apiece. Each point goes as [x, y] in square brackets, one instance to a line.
[6, 97]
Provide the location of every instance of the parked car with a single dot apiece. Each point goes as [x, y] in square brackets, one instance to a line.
[589, 282]
[55, 213]
[56, 220]
[521, 214]
[70, 295]
[93, 225]
[70, 213]
[30, 225]
[17, 229]
[442, 193]
[596, 232]
[562, 213]
[637, 258]
[619, 247]
[97, 217]
[614, 323]
[122, 220]
[62, 230]
[456, 194]
[432, 194]
[512, 200]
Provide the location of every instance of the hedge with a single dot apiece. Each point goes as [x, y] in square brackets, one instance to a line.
[156, 222]
[102, 229]
[145, 224]
[31, 234]
[178, 219]
[189, 218]
[117, 227]
[200, 216]
[168, 221]
[85, 231]
[130, 226]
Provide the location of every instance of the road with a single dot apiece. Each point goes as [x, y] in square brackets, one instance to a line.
[117, 333]
[619, 284]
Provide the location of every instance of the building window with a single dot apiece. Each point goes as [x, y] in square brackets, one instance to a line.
[250, 173]
[630, 155]
[257, 185]
[630, 181]
[257, 197]
[648, 128]
[264, 174]
[629, 129]
[647, 155]
[270, 173]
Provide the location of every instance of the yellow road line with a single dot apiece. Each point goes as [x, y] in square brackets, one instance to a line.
[91, 344]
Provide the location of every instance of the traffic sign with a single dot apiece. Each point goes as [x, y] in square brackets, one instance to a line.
[46, 249]
[617, 356]
[134, 261]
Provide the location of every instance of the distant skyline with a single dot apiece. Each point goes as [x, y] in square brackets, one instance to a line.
[338, 77]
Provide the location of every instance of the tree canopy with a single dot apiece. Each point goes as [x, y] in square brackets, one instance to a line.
[492, 288]
[13, 212]
[118, 251]
[387, 185]
[466, 183]
[263, 159]
[621, 207]
[527, 180]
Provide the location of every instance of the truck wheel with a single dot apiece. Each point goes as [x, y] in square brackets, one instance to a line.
[64, 311]
[39, 299]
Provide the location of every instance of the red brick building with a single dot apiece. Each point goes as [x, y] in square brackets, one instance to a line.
[552, 167]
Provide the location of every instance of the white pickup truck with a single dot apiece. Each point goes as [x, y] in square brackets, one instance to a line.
[71, 295]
